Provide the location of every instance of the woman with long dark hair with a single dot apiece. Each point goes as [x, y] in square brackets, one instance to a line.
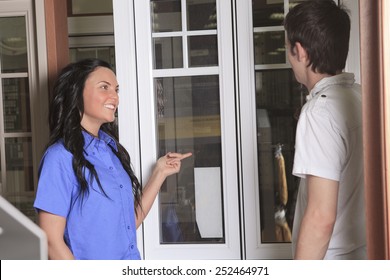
[89, 200]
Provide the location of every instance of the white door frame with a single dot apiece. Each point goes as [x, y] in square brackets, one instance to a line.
[254, 248]
[37, 72]
[138, 132]
[137, 126]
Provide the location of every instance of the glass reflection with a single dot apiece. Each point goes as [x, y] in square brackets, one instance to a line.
[16, 105]
[201, 15]
[269, 47]
[279, 98]
[166, 15]
[19, 164]
[267, 12]
[13, 45]
[189, 120]
[24, 203]
[293, 3]
[84, 7]
[104, 53]
[203, 51]
[168, 53]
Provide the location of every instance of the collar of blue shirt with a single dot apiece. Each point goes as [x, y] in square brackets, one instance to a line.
[92, 141]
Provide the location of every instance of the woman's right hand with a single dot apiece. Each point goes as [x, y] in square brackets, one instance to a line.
[170, 163]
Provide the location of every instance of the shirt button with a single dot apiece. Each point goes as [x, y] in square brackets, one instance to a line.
[111, 168]
[121, 186]
[128, 227]
[132, 247]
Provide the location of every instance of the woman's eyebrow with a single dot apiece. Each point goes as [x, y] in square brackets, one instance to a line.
[108, 83]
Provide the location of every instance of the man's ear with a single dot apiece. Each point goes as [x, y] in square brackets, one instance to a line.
[300, 51]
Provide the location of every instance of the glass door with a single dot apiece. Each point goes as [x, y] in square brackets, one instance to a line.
[192, 93]
[18, 88]
[182, 98]
[269, 95]
[211, 77]
[270, 102]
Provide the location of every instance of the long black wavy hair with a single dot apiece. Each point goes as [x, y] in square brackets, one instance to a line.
[65, 114]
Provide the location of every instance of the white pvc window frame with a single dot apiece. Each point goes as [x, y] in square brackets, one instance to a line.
[138, 132]
[37, 73]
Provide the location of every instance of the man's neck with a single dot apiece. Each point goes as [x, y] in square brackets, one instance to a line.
[312, 78]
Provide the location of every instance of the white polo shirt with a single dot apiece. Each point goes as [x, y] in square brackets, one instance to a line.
[329, 145]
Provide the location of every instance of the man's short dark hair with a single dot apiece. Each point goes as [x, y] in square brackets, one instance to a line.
[323, 29]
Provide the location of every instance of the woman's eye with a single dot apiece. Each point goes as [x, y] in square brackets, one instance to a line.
[104, 87]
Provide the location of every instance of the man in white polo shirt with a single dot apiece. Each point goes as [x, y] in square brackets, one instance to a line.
[329, 220]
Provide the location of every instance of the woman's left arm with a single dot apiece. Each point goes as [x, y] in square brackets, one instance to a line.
[165, 166]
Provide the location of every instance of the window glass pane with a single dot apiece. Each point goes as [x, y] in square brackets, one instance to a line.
[104, 53]
[267, 12]
[168, 53]
[191, 209]
[279, 98]
[201, 14]
[203, 51]
[19, 174]
[269, 47]
[13, 45]
[166, 15]
[16, 105]
[293, 3]
[24, 203]
[19, 165]
[87, 7]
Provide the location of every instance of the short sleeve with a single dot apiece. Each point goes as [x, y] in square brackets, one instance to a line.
[319, 148]
[55, 182]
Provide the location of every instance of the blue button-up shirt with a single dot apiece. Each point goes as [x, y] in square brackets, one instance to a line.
[98, 226]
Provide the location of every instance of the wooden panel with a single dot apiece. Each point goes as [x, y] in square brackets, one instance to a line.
[56, 38]
[373, 129]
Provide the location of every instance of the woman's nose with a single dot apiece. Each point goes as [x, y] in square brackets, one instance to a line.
[114, 94]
